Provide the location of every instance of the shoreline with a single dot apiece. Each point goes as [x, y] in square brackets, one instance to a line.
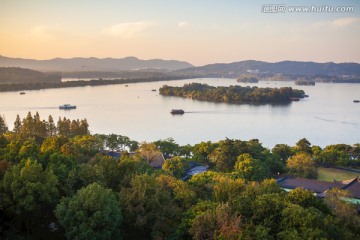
[81, 83]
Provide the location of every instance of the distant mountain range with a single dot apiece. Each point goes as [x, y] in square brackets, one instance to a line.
[235, 69]
[93, 64]
[285, 67]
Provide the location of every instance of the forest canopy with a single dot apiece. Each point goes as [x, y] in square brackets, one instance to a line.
[57, 181]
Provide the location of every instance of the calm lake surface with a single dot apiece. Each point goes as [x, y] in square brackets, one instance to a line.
[328, 116]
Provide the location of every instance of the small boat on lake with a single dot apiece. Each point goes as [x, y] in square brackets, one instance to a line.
[177, 111]
[67, 107]
[22, 93]
[154, 90]
[356, 101]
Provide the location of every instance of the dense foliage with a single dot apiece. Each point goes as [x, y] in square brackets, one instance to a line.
[58, 181]
[233, 94]
[92, 213]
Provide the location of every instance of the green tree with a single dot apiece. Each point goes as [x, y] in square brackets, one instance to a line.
[92, 213]
[182, 232]
[227, 189]
[53, 144]
[251, 169]
[266, 210]
[131, 166]
[303, 145]
[3, 126]
[106, 168]
[149, 209]
[335, 199]
[355, 152]
[112, 142]
[301, 165]
[186, 150]
[63, 127]
[17, 124]
[242, 203]
[316, 154]
[274, 162]
[28, 126]
[87, 174]
[306, 199]
[179, 190]
[168, 147]
[202, 151]
[12, 150]
[29, 149]
[253, 147]
[75, 127]
[64, 168]
[84, 127]
[335, 155]
[149, 151]
[203, 184]
[283, 150]
[217, 223]
[31, 192]
[83, 148]
[224, 156]
[3, 146]
[51, 127]
[30, 187]
[117, 142]
[39, 126]
[175, 165]
[299, 223]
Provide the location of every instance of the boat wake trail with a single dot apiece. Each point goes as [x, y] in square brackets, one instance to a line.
[324, 119]
[335, 121]
[29, 108]
[201, 112]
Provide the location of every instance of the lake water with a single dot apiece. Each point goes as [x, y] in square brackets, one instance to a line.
[328, 116]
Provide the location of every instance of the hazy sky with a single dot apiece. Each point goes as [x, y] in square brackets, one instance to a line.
[197, 31]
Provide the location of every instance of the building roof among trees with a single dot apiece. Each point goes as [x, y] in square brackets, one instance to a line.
[353, 187]
[320, 187]
[157, 161]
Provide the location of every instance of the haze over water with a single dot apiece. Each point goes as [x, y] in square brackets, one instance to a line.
[328, 116]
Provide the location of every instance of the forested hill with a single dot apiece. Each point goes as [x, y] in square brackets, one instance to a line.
[11, 75]
[93, 64]
[284, 67]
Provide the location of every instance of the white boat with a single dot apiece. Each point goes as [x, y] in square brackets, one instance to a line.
[67, 107]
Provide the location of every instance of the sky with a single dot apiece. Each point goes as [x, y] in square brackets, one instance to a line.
[197, 31]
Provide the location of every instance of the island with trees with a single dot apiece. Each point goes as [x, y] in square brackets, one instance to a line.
[57, 181]
[233, 94]
[248, 78]
[304, 82]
